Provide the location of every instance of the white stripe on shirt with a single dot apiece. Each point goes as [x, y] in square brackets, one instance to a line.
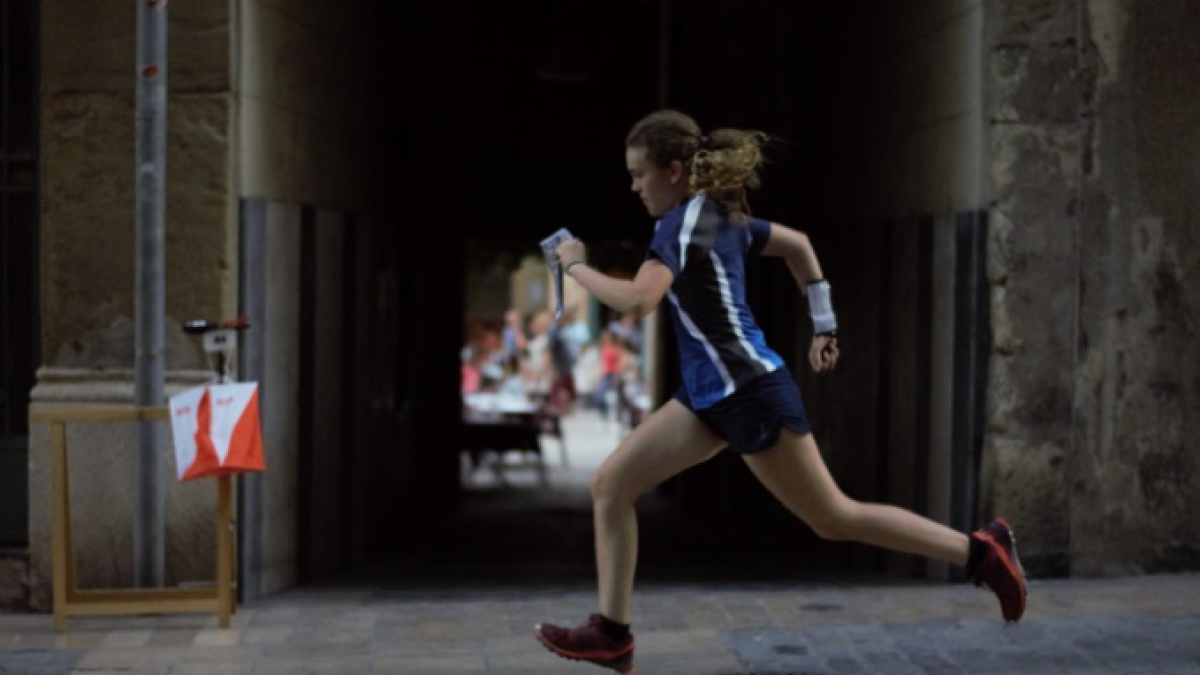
[708, 348]
[689, 224]
[731, 311]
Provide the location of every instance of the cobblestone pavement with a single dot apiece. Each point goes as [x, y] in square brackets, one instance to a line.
[1125, 625]
[468, 605]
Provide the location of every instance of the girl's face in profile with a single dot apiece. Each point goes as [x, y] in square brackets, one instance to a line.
[659, 189]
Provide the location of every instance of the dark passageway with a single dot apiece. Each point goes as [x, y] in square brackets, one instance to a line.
[504, 125]
[522, 134]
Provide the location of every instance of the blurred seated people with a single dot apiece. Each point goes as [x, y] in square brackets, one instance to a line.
[513, 384]
[492, 361]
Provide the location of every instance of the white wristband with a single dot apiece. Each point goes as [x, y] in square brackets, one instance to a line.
[820, 308]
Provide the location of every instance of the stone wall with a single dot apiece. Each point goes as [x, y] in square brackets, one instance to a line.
[1133, 478]
[1036, 89]
[87, 220]
[1094, 138]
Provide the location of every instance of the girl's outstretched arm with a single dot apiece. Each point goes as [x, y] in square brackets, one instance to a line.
[638, 296]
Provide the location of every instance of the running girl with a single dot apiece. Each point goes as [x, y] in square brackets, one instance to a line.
[736, 392]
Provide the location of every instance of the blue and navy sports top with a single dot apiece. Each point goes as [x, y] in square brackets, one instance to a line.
[720, 345]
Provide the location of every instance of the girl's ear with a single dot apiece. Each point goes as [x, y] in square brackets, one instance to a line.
[677, 171]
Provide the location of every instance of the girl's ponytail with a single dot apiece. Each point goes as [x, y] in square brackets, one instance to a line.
[726, 165]
[722, 165]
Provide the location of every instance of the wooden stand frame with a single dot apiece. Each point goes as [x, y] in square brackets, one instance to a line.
[70, 600]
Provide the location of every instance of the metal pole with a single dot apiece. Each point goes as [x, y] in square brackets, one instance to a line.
[149, 368]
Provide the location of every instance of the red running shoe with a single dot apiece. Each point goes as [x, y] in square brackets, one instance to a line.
[587, 643]
[1000, 568]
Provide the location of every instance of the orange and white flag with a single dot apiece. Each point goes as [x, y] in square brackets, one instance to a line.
[216, 430]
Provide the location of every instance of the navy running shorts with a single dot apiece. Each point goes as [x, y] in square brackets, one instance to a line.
[751, 418]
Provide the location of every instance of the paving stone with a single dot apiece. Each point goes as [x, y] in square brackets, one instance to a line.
[433, 665]
[35, 662]
[213, 669]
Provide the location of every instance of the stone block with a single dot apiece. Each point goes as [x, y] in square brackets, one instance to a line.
[87, 218]
[88, 233]
[1028, 488]
[1032, 379]
[14, 582]
[202, 227]
[1043, 84]
[1032, 21]
[91, 46]
[200, 48]
[88, 46]
[1035, 159]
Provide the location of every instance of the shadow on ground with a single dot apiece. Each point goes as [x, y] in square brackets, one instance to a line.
[518, 538]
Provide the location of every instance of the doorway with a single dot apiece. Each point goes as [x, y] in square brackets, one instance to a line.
[19, 251]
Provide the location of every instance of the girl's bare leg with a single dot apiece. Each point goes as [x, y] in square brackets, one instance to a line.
[795, 473]
[669, 441]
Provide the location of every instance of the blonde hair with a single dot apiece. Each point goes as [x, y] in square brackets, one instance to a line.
[722, 165]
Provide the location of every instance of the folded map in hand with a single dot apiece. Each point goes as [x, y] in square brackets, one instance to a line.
[549, 244]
